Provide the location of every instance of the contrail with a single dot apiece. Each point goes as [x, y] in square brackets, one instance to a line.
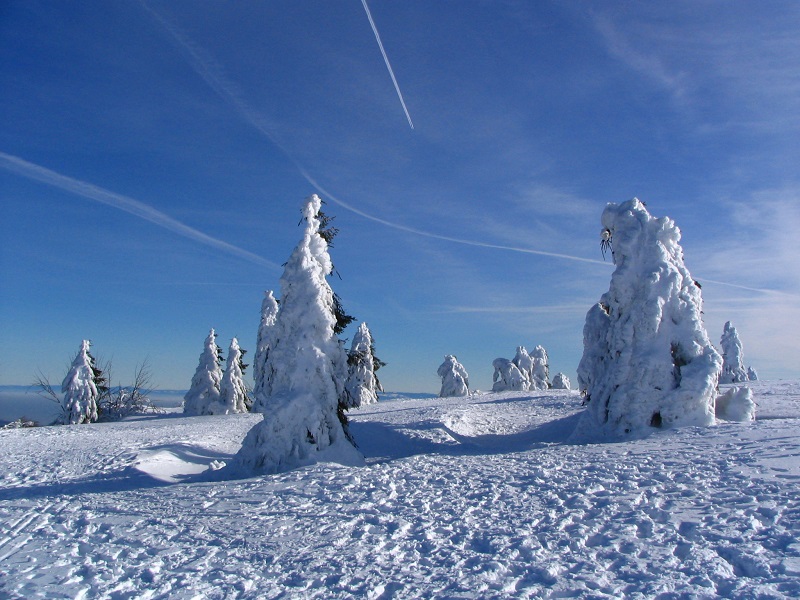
[126, 204]
[386, 60]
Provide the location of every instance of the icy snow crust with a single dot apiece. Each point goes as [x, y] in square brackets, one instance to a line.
[647, 360]
[475, 497]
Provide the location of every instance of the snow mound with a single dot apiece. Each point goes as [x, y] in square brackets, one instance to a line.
[647, 361]
[736, 404]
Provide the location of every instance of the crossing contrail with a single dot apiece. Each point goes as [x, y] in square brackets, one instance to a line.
[124, 203]
[386, 60]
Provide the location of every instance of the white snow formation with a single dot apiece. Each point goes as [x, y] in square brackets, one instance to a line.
[647, 361]
[469, 497]
[524, 363]
[361, 387]
[306, 368]
[752, 374]
[232, 390]
[507, 377]
[540, 375]
[561, 382]
[455, 380]
[733, 370]
[736, 404]
[204, 393]
[79, 403]
[269, 314]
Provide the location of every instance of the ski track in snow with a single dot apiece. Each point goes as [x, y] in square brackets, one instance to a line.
[460, 498]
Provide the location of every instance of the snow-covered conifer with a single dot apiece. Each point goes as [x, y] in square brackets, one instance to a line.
[232, 390]
[540, 375]
[561, 382]
[306, 367]
[204, 393]
[362, 386]
[80, 391]
[752, 374]
[507, 377]
[733, 370]
[455, 380]
[647, 361]
[524, 363]
[269, 315]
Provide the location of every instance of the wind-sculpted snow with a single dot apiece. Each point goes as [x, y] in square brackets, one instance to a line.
[475, 497]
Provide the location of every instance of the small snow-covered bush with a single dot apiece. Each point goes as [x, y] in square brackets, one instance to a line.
[362, 385]
[736, 404]
[455, 380]
[22, 422]
[561, 382]
[507, 377]
[647, 361]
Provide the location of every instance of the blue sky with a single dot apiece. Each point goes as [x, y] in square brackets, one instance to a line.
[155, 156]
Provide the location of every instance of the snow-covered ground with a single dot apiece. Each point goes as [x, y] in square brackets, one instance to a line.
[461, 498]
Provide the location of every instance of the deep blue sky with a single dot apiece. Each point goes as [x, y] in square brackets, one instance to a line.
[155, 157]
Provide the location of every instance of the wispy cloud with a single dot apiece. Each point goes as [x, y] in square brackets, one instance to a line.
[124, 203]
[386, 60]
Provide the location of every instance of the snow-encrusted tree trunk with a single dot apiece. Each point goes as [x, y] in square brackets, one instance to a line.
[204, 393]
[80, 392]
[232, 390]
[362, 386]
[733, 370]
[306, 367]
[647, 361]
[507, 377]
[269, 315]
[455, 380]
[540, 374]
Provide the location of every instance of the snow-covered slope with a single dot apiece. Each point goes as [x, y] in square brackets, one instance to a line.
[461, 498]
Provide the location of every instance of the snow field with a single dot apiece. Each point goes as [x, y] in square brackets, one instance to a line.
[474, 497]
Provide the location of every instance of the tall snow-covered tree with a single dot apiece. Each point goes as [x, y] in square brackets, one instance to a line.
[233, 396]
[455, 380]
[524, 363]
[204, 393]
[362, 385]
[540, 374]
[269, 315]
[80, 390]
[647, 361]
[733, 370]
[507, 377]
[306, 366]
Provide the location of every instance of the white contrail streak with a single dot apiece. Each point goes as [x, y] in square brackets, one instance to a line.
[386, 60]
[129, 205]
[208, 69]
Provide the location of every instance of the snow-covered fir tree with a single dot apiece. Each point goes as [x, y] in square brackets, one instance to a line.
[507, 377]
[79, 403]
[306, 367]
[540, 374]
[524, 363]
[455, 380]
[269, 315]
[733, 370]
[362, 384]
[647, 361]
[561, 382]
[204, 393]
[233, 397]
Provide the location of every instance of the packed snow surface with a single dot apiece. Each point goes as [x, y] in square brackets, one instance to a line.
[474, 497]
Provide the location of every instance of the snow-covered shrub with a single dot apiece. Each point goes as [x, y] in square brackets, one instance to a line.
[79, 404]
[647, 361]
[733, 370]
[233, 397]
[21, 423]
[507, 377]
[204, 391]
[362, 386]
[455, 380]
[306, 367]
[540, 374]
[736, 404]
[269, 314]
[561, 382]
[120, 402]
[752, 375]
